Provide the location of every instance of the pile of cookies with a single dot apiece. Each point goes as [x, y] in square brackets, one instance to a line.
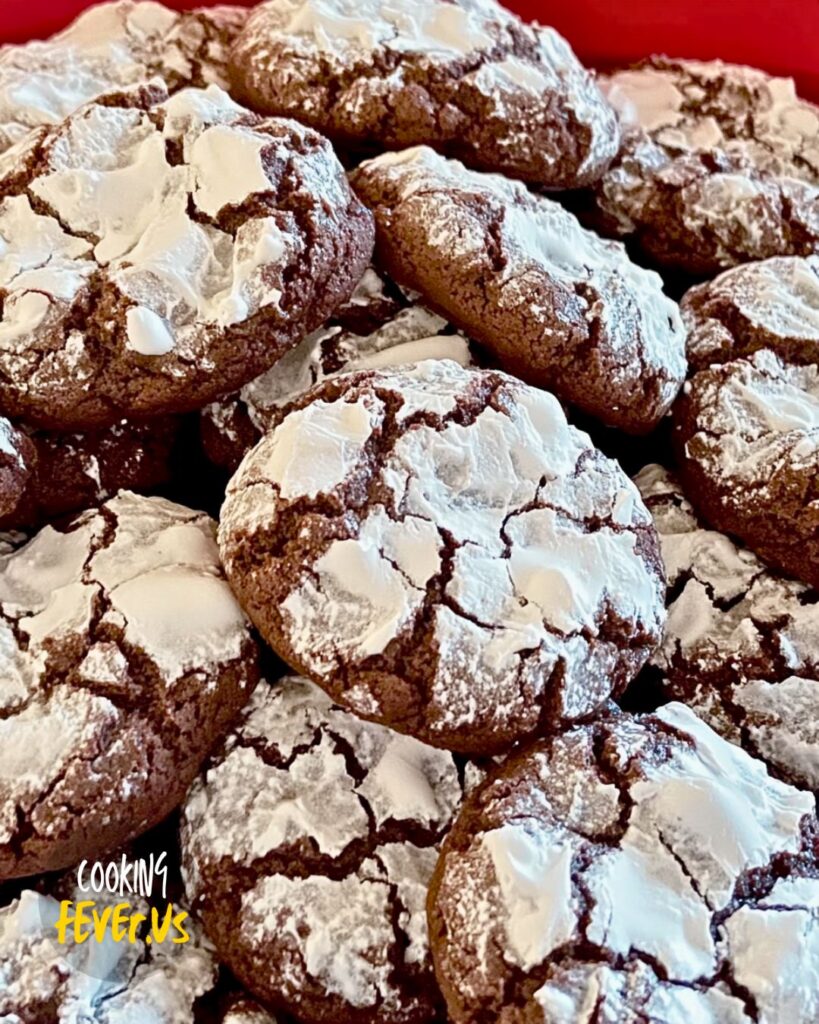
[485, 687]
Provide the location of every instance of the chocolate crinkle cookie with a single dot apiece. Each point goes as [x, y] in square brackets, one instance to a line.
[746, 435]
[110, 47]
[307, 844]
[55, 474]
[443, 553]
[630, 869]
[741, 643]
[719, 165]
[123, 658]
[553, 303]
[142, 982]
[173, 264]
[771, 304]
[465, 76]
[379, 326]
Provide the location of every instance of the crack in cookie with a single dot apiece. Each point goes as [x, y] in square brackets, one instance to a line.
[124, 657]
[628, 869]
[719, 165]
[556, 305]
[307, 845]
[469, 78]
[442, 552]
[140, 279]
[379, 326]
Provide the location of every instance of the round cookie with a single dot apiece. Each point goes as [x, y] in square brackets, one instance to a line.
[741, 644]
[307, 846]
[123, 658]
[630, 869]
[111, 47]
[771, 304]
[65, 473]
[142, 278]
[18, 460]
[719, 165]
[746, 435]
[443, 553]
[553, 303]
[379, 326]
[467, 77]
[43, 981]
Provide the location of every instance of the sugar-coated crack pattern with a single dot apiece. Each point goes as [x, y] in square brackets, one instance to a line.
[630, 870]
[746, 436]
[442, 552]
[307, 845]
[111, 47]
[42, 981]
[142, 278]
[771, 304]
[379, 326]
[555, 304]
[55, 474]
[741, 643]
[719, 165]
[123, 658]
[468, 77]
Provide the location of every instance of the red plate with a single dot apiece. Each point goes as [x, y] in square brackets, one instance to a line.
[781, 37]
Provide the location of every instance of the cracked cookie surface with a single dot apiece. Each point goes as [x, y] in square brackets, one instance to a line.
[307, 846]
[630, 869]
[123, 658]
[467, 77]
[719, 165]
[770, 304]
[553, 303]
[379, 326]
[111, 47]
[64, 473]
[746, 436]
[741, 643]
[141, 278]
[42, 980]
[443, 553]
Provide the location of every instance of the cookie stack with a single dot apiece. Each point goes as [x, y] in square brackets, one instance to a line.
[447, 717]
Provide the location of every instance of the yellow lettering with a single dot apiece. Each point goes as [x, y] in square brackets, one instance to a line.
[101, 923]
[80, 918]
[65, 919]
[160, 933]
[136, 921]
[118, 922]
[178, 923]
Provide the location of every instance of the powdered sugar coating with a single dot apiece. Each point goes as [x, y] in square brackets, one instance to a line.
[111, 47]
[741, 644]
[771, 304]
[379, 326]
[747, 434]
[665, 843]
[132, 273]
[720, 164]
[308, 844]
[459, 562]
[469, 78]
[555, 304]
[121, 645]
[96, 982]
